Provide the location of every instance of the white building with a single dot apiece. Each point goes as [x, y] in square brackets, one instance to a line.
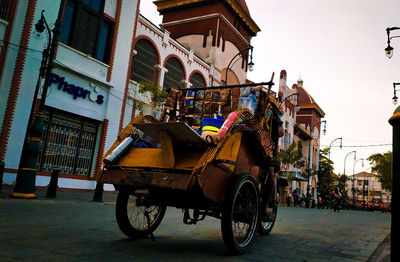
[367, 187]
[106, 48]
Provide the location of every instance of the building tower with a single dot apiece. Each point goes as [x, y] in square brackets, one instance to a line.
[215, 30]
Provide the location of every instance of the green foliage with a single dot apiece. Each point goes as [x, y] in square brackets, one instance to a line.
[155, 94]
[382, 167]
[289, 178]
[292, 155]
[325, 179]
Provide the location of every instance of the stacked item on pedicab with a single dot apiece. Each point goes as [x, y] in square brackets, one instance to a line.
[208, 111]
[248, 99]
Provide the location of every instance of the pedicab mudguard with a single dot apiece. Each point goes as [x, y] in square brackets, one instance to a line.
[145, 179]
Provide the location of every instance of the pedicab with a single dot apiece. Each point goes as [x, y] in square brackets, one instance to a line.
[230, 175]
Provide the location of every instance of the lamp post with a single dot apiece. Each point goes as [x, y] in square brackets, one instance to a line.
[395, 98]
[329, 149]
[394, 121]
[26, 175]
[389, 49]
[297, 107]
[354, 165]
[250, 65]
[355, 156]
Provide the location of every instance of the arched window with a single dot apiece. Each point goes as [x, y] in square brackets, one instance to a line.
[143, 69]
[197, 80]
[173, 78]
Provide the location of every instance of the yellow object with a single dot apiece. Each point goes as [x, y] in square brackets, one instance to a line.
[210, 129]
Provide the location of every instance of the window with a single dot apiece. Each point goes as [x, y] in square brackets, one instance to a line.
[286, 139]
[5, 9]
[197, 81]
[86, 29]
[175, 75]
[143, 65]
[68, 143]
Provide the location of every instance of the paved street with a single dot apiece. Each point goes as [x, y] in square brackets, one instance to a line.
[72, 228]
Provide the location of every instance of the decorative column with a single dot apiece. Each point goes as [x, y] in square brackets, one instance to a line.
[162, 70]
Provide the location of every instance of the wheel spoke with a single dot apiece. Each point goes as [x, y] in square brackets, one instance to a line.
[141, 217]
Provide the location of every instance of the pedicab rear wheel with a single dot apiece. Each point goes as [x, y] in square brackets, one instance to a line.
[137, 221]
[240, 214]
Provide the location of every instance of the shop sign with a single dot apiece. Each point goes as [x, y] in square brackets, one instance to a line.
[74, 90]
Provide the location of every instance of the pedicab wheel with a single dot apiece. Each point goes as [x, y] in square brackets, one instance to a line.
[240, 214]
[137, 221]
[265, 227]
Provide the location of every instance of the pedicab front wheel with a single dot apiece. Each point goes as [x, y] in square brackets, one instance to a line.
[240, 214]
[267, 221]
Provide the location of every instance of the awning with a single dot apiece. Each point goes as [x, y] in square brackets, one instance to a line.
[296, 176]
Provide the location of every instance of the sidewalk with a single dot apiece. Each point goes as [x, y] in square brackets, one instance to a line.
[64, 194]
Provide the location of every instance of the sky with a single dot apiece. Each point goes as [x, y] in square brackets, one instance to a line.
[337, 48]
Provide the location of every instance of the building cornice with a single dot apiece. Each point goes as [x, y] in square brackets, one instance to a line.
[205, 17]
[233, 4]
[299, 130]
[313, 106]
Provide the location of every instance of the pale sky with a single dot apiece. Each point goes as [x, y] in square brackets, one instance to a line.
[337, 47]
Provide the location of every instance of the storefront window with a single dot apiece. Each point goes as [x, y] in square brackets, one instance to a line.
[86, 29]
[143, 69]
[175, 76]
[68, 143]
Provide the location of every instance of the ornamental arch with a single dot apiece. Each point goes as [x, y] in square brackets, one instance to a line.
[197, 80]
[175, 75]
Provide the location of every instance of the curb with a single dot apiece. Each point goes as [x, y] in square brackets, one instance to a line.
[382, 252]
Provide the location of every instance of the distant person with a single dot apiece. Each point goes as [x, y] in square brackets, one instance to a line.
[336, 199]
[295, 197]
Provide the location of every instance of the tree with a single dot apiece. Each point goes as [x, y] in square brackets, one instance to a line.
[292, 155]
[151, 94]
[325, 169]
[382, 168]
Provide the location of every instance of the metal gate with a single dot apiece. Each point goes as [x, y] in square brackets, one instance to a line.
[68, 143]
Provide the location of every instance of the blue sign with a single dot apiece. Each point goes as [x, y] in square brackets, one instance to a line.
[75, 91]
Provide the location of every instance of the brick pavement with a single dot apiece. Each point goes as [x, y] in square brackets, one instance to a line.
[72, 228]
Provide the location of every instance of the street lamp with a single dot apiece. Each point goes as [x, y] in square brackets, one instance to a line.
[389, 49]
[250, 65]
[395, 98]
[329, 149]
[355, 156]
[26, 175]
[297, 107]
[354, 165]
